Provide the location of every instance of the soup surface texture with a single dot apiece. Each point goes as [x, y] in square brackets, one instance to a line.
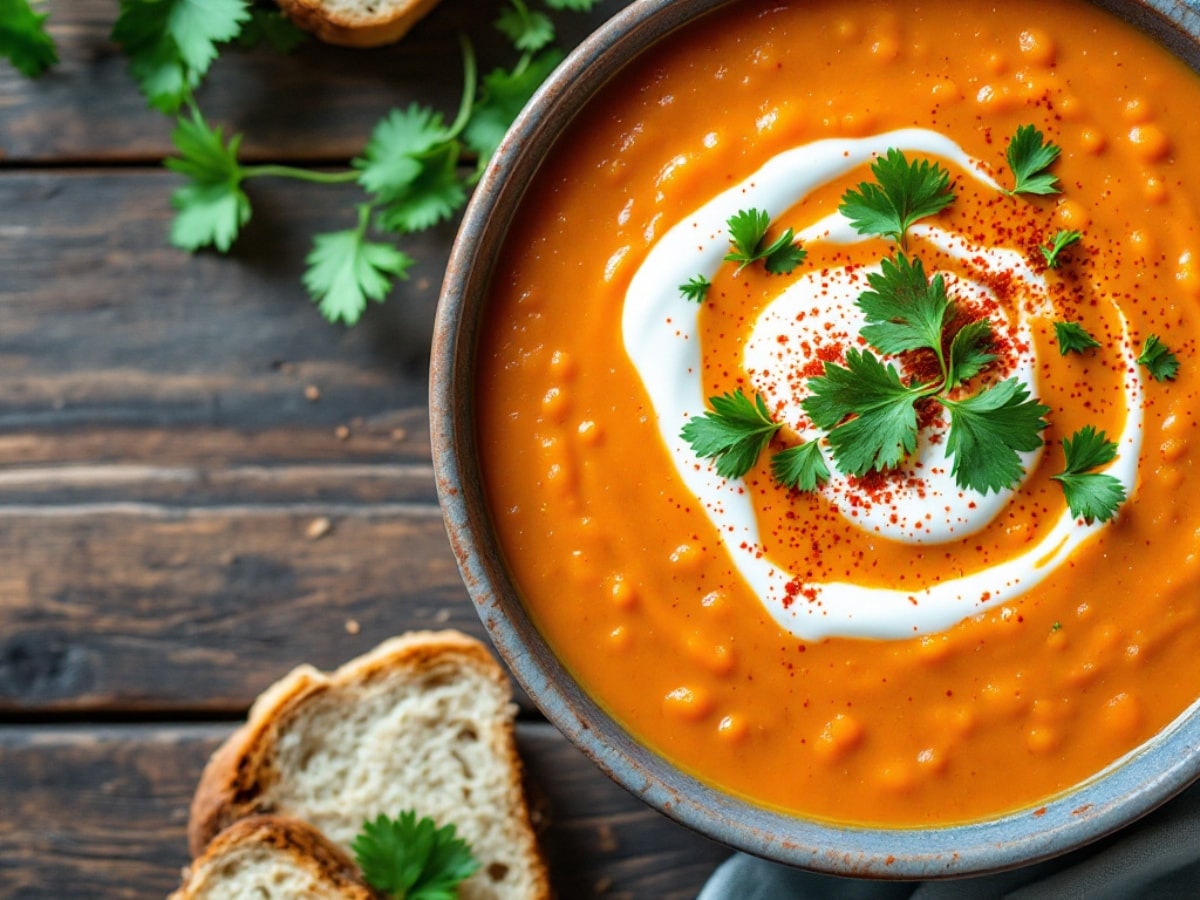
[892, 648]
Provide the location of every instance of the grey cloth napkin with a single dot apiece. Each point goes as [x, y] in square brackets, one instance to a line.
[1158, 857]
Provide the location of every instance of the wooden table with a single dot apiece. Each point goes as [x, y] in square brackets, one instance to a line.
[170, 429]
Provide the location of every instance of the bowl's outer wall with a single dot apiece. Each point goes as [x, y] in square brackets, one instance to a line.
[1141, 783]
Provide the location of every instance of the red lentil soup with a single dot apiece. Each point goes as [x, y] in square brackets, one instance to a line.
[635, 587]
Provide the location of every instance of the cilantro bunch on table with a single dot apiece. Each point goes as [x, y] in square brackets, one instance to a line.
[415, 171]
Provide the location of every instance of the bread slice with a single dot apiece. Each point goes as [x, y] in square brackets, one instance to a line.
[357, 23]
[423, 722]
[272, 858]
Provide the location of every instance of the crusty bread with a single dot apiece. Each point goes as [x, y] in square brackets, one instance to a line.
[357, 23]
[272, 858]
[423, 722]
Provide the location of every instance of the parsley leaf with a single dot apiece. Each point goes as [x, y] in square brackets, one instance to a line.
[1161, 362]
[747, 231]
[345, 270]
[503, 96]
[969, 352]
[409, 859]
[987, 430]
[883, 427]
[1062, 240]
[212, 208]
[24, 41]
[733, 434]
[801, 467]
[1073, 338]
[902, 193]
[172, 43]
[529, 30]
[695, 288]
[1090, 495]
[904, 310]
[1028, 155]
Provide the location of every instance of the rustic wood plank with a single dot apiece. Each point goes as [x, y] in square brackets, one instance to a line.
[319, 103]
[101, 812]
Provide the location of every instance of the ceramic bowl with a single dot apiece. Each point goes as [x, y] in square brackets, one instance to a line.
[1124, 792]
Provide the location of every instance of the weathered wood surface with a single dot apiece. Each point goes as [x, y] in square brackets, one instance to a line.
[101, 812]
[318, 103]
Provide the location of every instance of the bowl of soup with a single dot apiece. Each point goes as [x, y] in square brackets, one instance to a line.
[814, 403]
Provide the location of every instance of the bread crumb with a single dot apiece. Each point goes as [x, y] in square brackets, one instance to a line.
[352, 626]
[342, 432]
[442, 616]
[312, 393]
[399, 434]
[607, 839]
[318, 528]
[602, 886]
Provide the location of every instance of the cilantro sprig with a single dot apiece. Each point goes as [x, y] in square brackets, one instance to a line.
[695, 288]
[1073, 338]
[1090, 495]
[747, 236]
[1159, 361]
[24, 40]
[902, 193]
[1029, 155]
[410, 859]
[1062, 240]
[733, 433]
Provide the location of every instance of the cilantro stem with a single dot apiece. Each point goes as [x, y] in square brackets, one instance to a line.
[299, 174]
[468, 97]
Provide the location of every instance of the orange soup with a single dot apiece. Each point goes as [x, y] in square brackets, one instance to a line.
[893, 646]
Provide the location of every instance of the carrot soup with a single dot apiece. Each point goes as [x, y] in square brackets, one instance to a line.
[837, 402]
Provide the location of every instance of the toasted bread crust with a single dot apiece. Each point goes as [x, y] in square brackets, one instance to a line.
[236, 781]
[306, 847]
[362, 29]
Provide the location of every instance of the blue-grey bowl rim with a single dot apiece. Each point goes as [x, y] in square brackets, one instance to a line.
[1123, 793]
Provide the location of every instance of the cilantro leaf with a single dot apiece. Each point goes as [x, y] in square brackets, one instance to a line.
[987, 430]
[801, 467]
[733, 434]
[1062, 240]
[1028, 155]
[345, 270]
[695, 288]
[503, 96]
[172, 43]
[1161, 362]
[969, 352]
[433, 196]
[748, 229]
[573, 5]
[902, 193]
[413, 860]
[24, 41]
[1073, 338]
[883, 429]
[212, 207]
[904, 309]
[399, 149]
[273, 27]
[1090, 495]
[529, 30]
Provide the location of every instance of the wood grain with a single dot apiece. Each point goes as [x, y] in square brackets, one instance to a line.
[319, 103]
[102, 811]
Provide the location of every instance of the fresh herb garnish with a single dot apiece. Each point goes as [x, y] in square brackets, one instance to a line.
[1062, 240]
[902, 193]
[747, 234]
[24, 41]
[528, 29]
[695, 288]
[212, 207]
[1090, 495]
[1029, 155]
[345, 270]
[407, 859]
[1158, 360]
[1073, 338]
[988, 430]
[733, 434]
[801, 467]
